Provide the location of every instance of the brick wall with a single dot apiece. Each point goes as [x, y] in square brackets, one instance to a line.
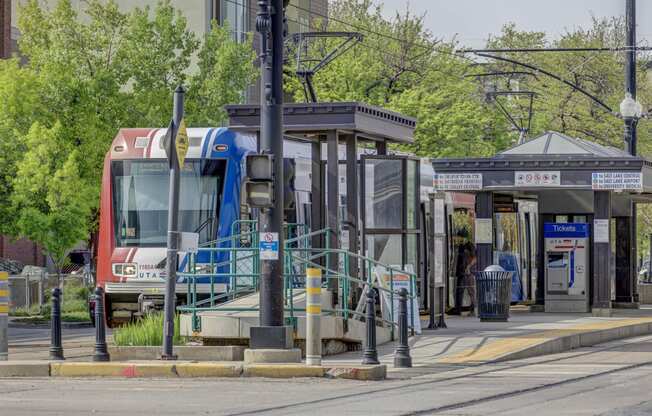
[5, 29]
[21, 250]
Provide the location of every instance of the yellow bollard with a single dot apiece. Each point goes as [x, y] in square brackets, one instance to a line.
[4, 315]
[313, 316]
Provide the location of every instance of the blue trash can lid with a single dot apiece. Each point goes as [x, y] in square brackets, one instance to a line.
[494, 268]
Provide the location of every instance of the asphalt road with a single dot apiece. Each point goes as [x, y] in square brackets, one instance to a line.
[32, 343]
[610, 379]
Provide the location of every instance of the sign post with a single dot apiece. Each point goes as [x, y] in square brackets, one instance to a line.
[177, 147]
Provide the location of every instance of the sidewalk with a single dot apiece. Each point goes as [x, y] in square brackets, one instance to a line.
[467, 341]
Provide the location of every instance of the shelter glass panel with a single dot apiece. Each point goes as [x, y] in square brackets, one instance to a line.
[506, 245]
[410, 194]
[383, 195]
[385, 248]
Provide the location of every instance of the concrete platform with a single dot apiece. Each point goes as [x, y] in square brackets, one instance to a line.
[268, 356]
[234, 326]
[467, 341]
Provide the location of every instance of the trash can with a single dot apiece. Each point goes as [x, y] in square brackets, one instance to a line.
[493, 288]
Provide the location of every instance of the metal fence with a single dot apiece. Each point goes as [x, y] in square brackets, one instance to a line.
[30, 290]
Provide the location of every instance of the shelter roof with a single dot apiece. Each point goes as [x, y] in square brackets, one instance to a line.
[310, 119]
[555, 143]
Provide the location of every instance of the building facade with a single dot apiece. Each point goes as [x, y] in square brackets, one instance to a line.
[8, 33]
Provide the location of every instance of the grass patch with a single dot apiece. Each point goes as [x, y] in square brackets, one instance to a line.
[76, 316]
[147, 331]
[79, 316]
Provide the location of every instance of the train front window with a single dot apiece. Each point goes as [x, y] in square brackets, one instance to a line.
[140, 200]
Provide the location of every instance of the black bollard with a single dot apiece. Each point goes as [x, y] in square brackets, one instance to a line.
[56, 350]
[370, 354]
[101, 351]
[402, 357]
[442, 308]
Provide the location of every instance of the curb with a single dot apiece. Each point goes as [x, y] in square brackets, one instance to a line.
[64, 325]
[552, 342]
[184, 353]
[24, 369]
[152, 369]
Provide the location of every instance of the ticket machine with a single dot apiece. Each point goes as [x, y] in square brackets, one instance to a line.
[566, 267]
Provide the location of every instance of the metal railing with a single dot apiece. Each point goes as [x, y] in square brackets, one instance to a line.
[235, 261]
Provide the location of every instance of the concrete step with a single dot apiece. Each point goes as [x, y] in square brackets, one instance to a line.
[224, 327]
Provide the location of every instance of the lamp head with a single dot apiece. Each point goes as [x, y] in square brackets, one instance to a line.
[630, 108]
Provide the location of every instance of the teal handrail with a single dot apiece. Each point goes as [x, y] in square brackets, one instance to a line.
[243, 273]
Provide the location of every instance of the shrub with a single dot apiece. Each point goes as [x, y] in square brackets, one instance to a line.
[145, 331]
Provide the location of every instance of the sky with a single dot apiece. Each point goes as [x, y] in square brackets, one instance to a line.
[473, 20]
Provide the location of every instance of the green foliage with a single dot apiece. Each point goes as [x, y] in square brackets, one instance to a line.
[86, 74]
[401, 66]
[50, 199]
[222, 77]
[561, 108]
[147, 331]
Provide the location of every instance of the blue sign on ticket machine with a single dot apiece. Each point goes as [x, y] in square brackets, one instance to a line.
[566, 267]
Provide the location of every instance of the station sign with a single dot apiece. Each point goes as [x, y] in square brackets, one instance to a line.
[565, 230]
[537, 178]
[268, 245]
[458, 181]
[617, 181]
[182, 142]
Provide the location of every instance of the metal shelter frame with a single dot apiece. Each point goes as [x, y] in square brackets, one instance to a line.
[576, 192]
[348, 123]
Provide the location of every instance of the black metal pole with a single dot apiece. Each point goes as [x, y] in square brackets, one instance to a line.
[442, 308]
[631, 134]
[173, 230]
[270, 24]
[101, 350]
[56, 349]
[370, 354]
[402, 357]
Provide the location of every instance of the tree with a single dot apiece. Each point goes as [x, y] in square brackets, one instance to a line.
[222, 77]
[50, 198]
[85, 75]
[559, 107]
[401, 66]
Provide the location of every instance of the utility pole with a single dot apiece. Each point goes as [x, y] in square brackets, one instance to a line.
[173, 225]
[630, 73]
[271, 25]
[630, 134]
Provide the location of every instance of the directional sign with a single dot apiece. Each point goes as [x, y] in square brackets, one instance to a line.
[458, 181]
[268, 245]
[617, 181]
[181, 142]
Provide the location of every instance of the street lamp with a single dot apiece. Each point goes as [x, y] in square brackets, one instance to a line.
[631, 111]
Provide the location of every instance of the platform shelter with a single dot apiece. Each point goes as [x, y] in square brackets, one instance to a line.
[582, 194]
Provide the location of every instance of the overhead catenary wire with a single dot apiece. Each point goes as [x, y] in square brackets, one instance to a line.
[383, 52]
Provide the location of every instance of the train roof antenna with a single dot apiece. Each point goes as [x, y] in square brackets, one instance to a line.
[308, 66]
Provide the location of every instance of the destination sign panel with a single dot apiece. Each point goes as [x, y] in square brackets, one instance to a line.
[617, 181]
[458, 181]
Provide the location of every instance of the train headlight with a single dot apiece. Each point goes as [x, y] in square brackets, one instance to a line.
[203, 269]
[125, 269]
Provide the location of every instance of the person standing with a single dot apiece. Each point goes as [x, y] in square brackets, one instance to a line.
[464, 271]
